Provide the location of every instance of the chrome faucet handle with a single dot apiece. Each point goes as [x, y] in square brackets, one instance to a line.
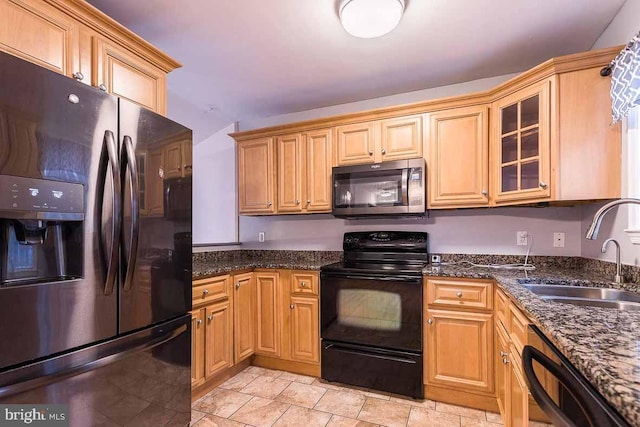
[618, 277]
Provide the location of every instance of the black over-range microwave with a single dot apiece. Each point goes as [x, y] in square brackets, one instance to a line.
[387, 188]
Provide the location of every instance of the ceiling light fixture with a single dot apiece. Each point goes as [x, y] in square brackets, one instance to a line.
[370, 18]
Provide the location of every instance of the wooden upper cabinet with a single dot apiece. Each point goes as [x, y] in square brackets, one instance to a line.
[128, 76]
[39, 33]
[459, 345]
[154, 184]
[520, 147]
[318, 171]
[305, 330]
[401, 138]
[355, 144]
[256, 176]
[290, 171]
[173, 160]
[244, 318]
[458, 157]
[269, 311]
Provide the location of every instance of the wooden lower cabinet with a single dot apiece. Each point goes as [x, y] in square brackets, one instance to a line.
[244, 318]
[218, 338]
[305, 329]
[459, 345]
[518, 414]
[197, 347]
[502, 368]
[269, 314]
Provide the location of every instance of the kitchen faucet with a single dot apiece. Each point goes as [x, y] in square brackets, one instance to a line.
[592, 233]
[618, 278]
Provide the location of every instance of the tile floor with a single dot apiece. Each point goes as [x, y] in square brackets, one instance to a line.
[262, 398]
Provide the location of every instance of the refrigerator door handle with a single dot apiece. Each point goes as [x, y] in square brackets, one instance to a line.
[129, 164]
[109, 157]
[124, 351]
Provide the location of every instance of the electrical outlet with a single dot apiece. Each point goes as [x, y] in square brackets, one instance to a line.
[261, 237]
[522, 238]
[558, 240]
[435, 259]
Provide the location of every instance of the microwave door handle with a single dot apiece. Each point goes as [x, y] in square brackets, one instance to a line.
[405, 187]
[129, 164]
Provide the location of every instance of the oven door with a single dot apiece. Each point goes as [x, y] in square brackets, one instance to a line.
[381, 311]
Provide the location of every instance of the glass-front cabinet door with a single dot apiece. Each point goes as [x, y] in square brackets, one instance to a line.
[521, 145]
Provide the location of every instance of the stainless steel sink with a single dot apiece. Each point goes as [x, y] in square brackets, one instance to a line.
[620, 305]
[583, 295]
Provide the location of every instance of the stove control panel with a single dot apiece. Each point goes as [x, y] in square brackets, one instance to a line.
[390, 241]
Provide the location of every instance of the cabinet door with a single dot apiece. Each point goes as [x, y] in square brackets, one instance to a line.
[459, 157]
[518, 415]
[269, 309]
[355, 144]
[521, 145]
[256, 176]
[501, 358]
[401, 138]
[459, 345]
[197, 347]
[244, 308]
[187, 158]
[290, 170]
[305, 330]
[130, 77]
[173, 160]
[37, 32]
[219, 338]
[154, 183]
[318, 176]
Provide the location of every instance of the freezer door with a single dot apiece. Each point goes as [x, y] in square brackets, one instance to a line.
[155, 276]
[56, 294]
[140, 379]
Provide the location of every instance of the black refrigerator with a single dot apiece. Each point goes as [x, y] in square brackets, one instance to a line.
[95, 264]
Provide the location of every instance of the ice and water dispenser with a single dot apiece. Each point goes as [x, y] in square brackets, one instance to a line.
[41, 230]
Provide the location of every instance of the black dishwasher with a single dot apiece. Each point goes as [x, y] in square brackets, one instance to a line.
[578, 404]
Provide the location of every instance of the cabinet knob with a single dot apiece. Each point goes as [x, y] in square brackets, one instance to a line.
[187, 167]
[503, 353]
[485, 193]
[297, 202]
[308, 201]
[505, 360]
[205, 292]
[543, 184]
[371, 152]
[303, 284]
[384, 151]
[459, 294]
[238, 285]
[430, 321]
[199, 322]
[291, 306]
[210, 317]
[269, 204]
[102, 87]
[78, 76]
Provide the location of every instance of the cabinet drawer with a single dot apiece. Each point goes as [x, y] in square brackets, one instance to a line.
[210, 290]
[304, 283]
[502, 309]
[518, 328]
[455, 293]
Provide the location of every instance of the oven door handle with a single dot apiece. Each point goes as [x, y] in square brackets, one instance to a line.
[345, 349]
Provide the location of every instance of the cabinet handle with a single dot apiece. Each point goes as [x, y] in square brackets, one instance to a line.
[269, 204]
[297, 202]
[78, 76]
[292, 306]
[308, 201]
[187, 167]
[210, 317]
[543, 184]
[485, 193]
[102, 87]
[430, 321]
[371, 152]
[384, 151]
[505, 361]
[503, 353]
[238, 285]
[459, 294]
[303, 284]
[199, 322]
[205, 292]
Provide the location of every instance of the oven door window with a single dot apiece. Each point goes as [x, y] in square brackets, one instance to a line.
[370, 189]
[381, 313]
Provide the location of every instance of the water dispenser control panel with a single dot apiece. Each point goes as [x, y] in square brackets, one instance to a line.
[41, 196]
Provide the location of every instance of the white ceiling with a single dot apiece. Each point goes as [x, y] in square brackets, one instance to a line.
[255, 58]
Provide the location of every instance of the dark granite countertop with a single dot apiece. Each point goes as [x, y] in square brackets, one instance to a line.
[602, 343]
